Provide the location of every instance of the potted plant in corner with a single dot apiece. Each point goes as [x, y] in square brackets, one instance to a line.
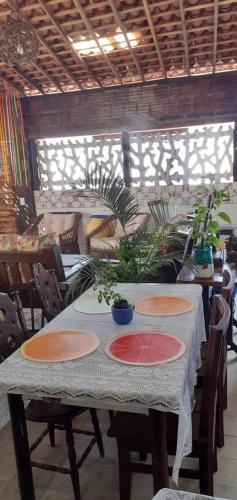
[206, 229]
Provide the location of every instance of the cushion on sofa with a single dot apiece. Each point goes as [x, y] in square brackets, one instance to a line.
[26, 242]
[57, 223]
[95, 223]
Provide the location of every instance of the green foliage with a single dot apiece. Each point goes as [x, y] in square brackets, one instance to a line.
[205, 222]
[111, 190]
[138, 255]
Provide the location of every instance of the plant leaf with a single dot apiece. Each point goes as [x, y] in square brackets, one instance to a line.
[113, 192]
[224, 216]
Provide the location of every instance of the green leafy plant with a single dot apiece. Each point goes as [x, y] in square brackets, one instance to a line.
[139, 255]
[205, 222]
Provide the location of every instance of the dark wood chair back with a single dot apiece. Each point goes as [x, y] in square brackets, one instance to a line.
[11, 332]
[228, 286]
[227, 291]
[17, 271]
[18, 267]
[48, 289]
[220, 318]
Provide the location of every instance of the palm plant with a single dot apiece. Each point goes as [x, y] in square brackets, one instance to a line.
[162, 211]
[111, 190]
[138, 255]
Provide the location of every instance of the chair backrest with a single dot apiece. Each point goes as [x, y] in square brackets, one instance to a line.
[48, 289]
[11, 332]
[220, 318]
[18, 267]
[227, 291]
[228, 286]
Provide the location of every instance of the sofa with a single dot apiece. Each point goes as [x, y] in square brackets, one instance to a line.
[65, 227]
[103, 240]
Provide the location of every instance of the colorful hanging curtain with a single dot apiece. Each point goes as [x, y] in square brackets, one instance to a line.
[12, 139]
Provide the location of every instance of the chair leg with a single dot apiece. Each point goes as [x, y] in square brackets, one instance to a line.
[206, 472]
[225, 402]
[219, 422]
[51, 430]
[97, 430]
[124, 472]
[221, 400]
[73, 461]
[142, 456]
[215, 464]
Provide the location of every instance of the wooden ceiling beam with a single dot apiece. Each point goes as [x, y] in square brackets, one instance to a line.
[90, 29]
[52, 53]
[123, 31]
[48, 76]
[208, 5]
[77, 57]
[26, 78]
[128, 21]
[181, 7]
[60, 63]
[216, 8]
[154, 36]
[12, 85]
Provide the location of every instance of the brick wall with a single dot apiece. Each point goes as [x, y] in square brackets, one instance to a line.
[167, 103]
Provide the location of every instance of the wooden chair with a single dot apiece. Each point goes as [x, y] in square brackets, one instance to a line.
[133, 432]
[55, 415]
[68, 239]
[49, 291]
[227, 292]
[17, 273]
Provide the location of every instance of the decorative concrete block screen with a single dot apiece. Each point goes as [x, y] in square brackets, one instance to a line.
[186, 157]
[62, 162]
[181, 158]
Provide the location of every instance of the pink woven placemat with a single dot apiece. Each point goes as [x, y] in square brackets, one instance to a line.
[145, 348]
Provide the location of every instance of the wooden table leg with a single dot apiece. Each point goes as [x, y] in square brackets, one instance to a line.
[21, 445]
[159, 449]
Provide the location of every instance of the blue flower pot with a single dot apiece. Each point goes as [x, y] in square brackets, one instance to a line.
[122, 316]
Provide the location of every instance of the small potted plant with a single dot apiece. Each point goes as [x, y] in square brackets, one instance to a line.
[206, 230]
[122, 310]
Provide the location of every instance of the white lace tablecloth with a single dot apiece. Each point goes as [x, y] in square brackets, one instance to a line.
[167, 494]
[100, 382]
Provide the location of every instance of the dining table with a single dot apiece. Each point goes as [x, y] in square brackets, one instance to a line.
[98, 381]
[167, 494]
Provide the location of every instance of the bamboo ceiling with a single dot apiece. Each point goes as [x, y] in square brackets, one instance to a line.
[102, 43]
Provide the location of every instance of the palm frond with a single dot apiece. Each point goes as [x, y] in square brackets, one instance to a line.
[162, 211]
[115, 195]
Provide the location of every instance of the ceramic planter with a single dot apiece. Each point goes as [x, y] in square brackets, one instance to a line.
[203, 262]
[122, 316]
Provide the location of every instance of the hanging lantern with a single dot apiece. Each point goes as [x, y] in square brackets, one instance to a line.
[18, 40]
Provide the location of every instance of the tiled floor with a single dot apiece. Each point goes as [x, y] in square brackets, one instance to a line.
[99, 478]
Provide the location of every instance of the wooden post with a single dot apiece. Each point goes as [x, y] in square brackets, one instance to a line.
[235, 153]
[33, 167]
[126, 158]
